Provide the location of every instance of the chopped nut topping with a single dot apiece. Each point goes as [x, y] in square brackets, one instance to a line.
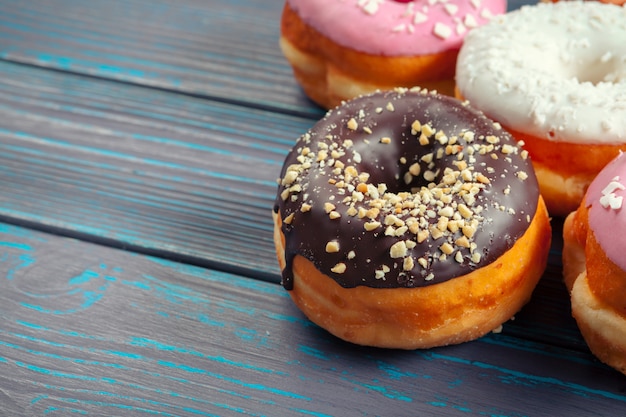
[416, 127]
[288, 219]
[447, 248]
[465, 211]
[408, 264]
[443, 200]
[475, 257]
[332, 246]
[371, 226]
[398, 250]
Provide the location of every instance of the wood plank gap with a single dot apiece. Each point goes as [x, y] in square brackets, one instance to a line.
[313, 112]
[142, 249]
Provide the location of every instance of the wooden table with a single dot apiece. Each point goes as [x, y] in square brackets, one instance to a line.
[140, 142]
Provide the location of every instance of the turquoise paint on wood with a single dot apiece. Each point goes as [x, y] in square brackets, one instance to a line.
[168, 311]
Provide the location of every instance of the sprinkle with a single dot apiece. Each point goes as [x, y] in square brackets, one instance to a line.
[419, 18]
[470, 21]
[451, 9]
[609, 199]
[370, 6]
[486, 14]
[442, 31]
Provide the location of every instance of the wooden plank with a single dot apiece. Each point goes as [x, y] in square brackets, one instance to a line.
[171, 175]
[215, 48]
[140, 167]
[86, 329]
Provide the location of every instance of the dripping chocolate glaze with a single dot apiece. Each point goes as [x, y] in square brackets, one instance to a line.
[321, 199]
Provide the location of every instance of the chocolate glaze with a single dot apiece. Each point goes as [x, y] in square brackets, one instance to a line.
[376, 135]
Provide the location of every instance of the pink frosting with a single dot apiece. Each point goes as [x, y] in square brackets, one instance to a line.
[607, 215]
[393, 28]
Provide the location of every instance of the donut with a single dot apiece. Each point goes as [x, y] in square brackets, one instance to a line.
[406, 219]
[340, 49]
[618, 2]
[554, 75]
[594, 266]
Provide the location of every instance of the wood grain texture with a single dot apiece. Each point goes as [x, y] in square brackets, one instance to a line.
[159, 127]
[91, 330]
[173, 176]
[225, 50]
[218, 49]
[140, 167]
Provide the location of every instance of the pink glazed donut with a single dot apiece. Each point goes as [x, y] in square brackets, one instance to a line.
[340, 49]
[594, 265]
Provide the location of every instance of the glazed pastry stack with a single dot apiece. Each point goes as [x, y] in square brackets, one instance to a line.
[393, 264]
[340, 49]
[595, 265]
[553, 75]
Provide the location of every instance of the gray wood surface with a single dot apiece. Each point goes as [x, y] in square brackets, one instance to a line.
[100, 331]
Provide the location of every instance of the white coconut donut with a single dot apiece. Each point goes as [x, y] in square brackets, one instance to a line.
[554, 74]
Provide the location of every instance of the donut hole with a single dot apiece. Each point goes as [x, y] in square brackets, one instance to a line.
[410, 180]
[605, 68]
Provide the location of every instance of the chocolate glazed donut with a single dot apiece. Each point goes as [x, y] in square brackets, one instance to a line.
[403, 189]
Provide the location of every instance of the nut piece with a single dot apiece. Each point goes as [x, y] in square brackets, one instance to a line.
[398, 250]
[332, 246]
